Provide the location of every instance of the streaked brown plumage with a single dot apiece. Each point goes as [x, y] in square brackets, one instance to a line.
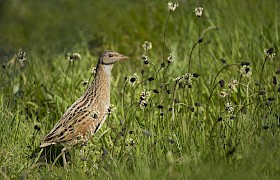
[83, 118]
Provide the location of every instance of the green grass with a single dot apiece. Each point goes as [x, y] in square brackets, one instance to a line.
[184, 132]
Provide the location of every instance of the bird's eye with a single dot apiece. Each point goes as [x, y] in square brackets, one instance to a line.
[110, 55]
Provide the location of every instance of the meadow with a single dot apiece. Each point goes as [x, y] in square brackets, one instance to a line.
[197, 99]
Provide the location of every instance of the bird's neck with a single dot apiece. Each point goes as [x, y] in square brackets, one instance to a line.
[104, 70]
[103, 74]
[100, 86]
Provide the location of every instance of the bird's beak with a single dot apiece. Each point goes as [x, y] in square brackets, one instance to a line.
[122, 57]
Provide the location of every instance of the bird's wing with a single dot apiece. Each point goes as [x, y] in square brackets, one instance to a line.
[77, 121]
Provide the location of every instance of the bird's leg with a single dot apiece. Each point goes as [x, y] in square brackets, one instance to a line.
[82, 151]
[57, 158]
[63, 157]
[38, 156]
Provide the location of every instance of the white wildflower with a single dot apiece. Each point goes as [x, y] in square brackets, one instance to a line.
[198, 11]
[131, 142]
[170, 58]
[85, 82]
[21, 56]
[111, 109]
[147, 45]
[246, 71]
[233, 84]
[177, 79]
[270, 53]
[144, 95]
[93, 70]
[145, 59]
[172, 6]
[229, 107]
[223, 93]
[143, 104]
[74, 57]
[132, 80]
[188, 78]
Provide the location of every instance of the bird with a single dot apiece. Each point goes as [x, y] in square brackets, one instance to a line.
[86, 115]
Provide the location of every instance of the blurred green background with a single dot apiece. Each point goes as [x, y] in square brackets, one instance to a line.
[56, 26]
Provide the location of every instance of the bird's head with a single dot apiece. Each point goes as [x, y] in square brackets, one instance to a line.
[110, 57]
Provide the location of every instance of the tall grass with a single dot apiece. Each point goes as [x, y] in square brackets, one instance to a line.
[210, 111]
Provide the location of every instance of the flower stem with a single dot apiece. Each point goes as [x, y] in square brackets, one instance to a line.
[262, 73]
[164, 34]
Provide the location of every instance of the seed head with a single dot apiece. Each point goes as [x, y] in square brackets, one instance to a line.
[222, 83]
[200, 40]
[111, 109]
[93, 70]
[172, 6]
[131, 142]
[265, 127]
[74, 57]
[229, 107]
[143, 104]
[191, 108]
[177, 79]
[170, 58]
[223, 60]
[155, 91]
[37, 128]
[223, 93]
[246, 71]
[151, 79]
[233, 84]
[145, 59]
[198, 11]
[195, 75]
[271, 99]
[245, 63]
[188, 79]
[147, 45]
[270, 53]
[220, 118]
[159, 106]
[21, 56]
[132, 80]
[85, 82]
[144, 95]
[4, 66]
